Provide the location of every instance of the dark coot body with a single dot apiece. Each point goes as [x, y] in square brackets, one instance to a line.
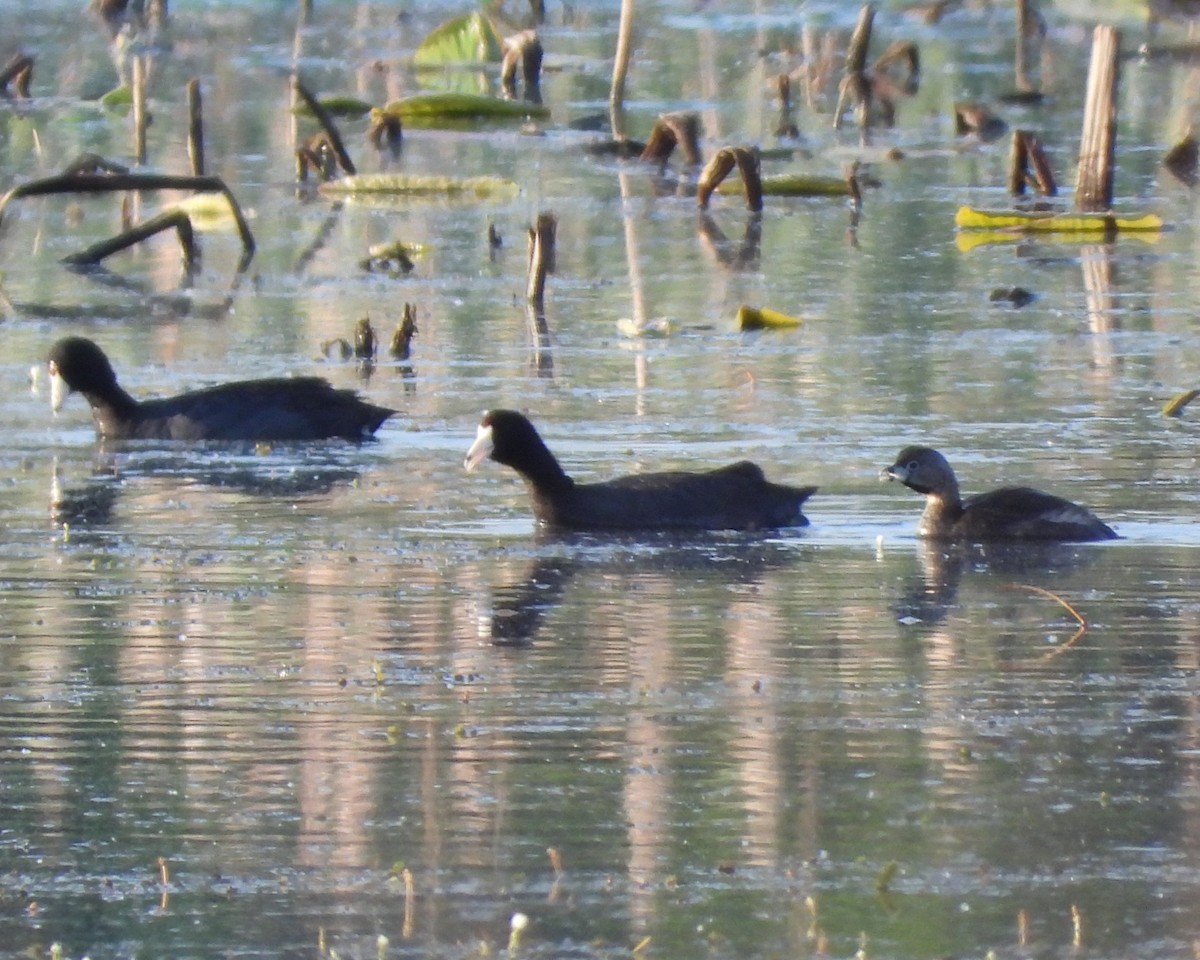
[1011, 514]
[735, 497]
[282, 408]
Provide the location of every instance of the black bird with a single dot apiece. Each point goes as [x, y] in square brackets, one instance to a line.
[1007, 514]
[281, 408]
[735, 497]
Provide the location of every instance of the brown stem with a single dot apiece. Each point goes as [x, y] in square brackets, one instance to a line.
[1094, 176]
[170, 219]
[116, 182]
[541, 258]
[326, 122]
[195, 127]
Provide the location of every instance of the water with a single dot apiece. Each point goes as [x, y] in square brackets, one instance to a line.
[243, 692]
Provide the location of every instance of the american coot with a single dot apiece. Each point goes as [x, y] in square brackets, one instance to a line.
[283, 408]
[1007, 514]
[736, 497]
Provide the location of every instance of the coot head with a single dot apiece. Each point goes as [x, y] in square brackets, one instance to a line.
[508, 438]
[76, 364]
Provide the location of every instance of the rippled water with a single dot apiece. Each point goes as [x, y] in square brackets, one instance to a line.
[247, 695]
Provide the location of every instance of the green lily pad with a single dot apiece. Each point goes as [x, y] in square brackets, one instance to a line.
[469, 39]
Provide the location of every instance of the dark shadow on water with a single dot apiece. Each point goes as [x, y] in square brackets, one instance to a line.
[289, 472]
[927, 598]
[518, 609]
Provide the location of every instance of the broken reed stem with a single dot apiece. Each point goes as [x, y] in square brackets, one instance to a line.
[855, 84]
[671, 130]
[1051, 595]
[171, 219]
[410, 896]
[195, 127]
[616, 96]
[116, 182]
[522, 48]
[718, 168]
[787, 125]
[1028, 163]
[541, 258]
[326, 122]
[401, 345]
[18, 71]
[1024, 28]
[139, 110]
[1094, 175]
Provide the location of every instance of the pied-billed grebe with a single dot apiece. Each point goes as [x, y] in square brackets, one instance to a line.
[735, 497]
[281, 408]
[1007, 514]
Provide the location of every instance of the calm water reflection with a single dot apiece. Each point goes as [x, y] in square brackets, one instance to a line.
[242, 692]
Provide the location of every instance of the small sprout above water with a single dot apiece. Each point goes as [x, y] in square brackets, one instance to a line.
[883, 882]
[517, 926]
[764, 318]
[1175, 407]
[364, 339]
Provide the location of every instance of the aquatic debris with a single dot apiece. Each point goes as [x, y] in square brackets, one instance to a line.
[329, 142]
[395, 256]
[415, 185]
[195, 142]
[348, 108]
[786, 127]
[430, 109]
[716, 170]
[797, 185]
[364, 339]
[19, 72]
[975, 118]
[1046, 221]
[1097, 148]
[467, 39]
[1043, 592]
[764, 318]
[401, 344]
[541, 258]
[517, 925]
[1029, 166]
[680, 129]
[1175, 407]
[522, 48]
[1182, 159]
[385, 131]
[81, 177]
[1014, 296]
[658, 328]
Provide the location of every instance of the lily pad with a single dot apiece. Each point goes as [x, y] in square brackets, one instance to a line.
[411, 185]
[430, 109]
[349, 108]
[469, 39]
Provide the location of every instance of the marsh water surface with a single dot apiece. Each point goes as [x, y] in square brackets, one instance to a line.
[280, 701]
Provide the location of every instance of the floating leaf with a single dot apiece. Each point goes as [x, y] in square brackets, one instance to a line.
[763, 318]
[794, 185]
[1175, 407]
[346, 107]
[208, 212]
[410, 185]
[119, 99]
[656, 329]
[469, 39]
[428, 109]
[397, 248]
[968, 218]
